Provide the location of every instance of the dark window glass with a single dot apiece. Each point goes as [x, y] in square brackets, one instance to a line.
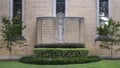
[17, 8]
[103, 12]
[17, 0]
[60, 0]
[103, 0]
[60, 6]
[104, 8]
[17, 12]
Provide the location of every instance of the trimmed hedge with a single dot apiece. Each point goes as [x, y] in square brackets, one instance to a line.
[61, 61]
[60, 52]
[61, 45]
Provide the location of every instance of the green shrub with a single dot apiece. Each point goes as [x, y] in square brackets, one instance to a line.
[92, 59]
[60, 52]
[58, 61]
[27, 59]
[61, 45]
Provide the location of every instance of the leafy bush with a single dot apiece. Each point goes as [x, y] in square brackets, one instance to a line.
[92, 59]
[61, 45]
[60, 52]
[59, 61]
[27, 59]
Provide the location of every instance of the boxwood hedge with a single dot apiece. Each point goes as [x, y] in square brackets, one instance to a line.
[60, 61]
[60, 52]
[61, 45]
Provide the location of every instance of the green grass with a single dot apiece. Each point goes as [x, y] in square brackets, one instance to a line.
[101, 64]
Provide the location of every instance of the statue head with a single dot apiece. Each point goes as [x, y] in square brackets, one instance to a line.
[60, 15]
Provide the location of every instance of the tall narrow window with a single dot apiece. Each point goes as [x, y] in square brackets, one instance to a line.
[60, 6]
[17, 8]
[17, 12]
[103, 11]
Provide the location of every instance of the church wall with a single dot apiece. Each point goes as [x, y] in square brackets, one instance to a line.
[114, 13]
[86, 9]
[17, 52]
[115, 9]
[4, 9]
[34, 9]
[75, 8]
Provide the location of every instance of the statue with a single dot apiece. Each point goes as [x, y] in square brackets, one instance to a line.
[60, 28]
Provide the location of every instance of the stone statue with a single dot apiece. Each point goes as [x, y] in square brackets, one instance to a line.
[60, 28]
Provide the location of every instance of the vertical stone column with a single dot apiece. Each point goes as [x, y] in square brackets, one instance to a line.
[81, 30]
[39, 31]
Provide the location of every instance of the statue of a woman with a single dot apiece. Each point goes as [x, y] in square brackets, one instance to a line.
[60, 28]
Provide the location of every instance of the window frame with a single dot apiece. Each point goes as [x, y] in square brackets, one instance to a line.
[23, 12]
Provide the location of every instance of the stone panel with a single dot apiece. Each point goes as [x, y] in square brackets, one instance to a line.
[71, 30]
[46, 30]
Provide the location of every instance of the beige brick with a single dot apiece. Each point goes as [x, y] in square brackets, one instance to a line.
[75, 8]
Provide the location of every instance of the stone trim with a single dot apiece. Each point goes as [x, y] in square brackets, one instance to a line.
[23, 10]
[54, 8]
[23, 15]
[110, 5]
[11, 8]
[66, 7]
[97, 13]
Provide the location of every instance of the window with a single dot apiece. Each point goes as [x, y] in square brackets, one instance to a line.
[60, 6]
[104, 8]
[17, 8]
[17, 12]
[103, 11]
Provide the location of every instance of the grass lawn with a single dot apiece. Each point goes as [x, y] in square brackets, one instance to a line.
[101, 64]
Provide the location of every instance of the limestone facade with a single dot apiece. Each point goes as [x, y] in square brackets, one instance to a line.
[74, 8]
